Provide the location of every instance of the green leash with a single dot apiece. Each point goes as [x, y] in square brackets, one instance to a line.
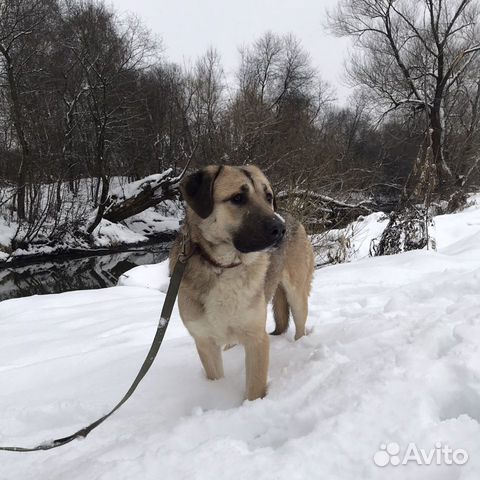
[172, 292]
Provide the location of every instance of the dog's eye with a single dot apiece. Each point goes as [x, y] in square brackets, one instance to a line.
[239, 199]
[269, 197]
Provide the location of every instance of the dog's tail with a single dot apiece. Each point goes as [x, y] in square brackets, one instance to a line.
[281, 311]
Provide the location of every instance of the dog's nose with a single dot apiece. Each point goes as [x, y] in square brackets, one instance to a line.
[276, 229]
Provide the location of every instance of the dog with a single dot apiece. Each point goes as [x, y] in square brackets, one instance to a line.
[242, 255]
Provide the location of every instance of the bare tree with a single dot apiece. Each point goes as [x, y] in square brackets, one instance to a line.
[463, 129]
[20, 20]
[110, 55]
[412, 55]
[206, 107]
[275, 111]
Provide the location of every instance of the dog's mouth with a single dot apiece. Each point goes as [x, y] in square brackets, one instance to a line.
[258, 248]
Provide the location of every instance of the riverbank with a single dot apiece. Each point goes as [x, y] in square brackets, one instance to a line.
[64, 273]
[150, 227]
[60, 254]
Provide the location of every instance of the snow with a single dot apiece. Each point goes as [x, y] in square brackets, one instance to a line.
[138, 228]
[7, 232]
[107, 234]
[349, 243]
[147, 276]
[132, 189]
[354, 241]
[392, 355]
[159, 220]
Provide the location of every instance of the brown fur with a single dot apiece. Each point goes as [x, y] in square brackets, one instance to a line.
[221, 306]
[281, 311]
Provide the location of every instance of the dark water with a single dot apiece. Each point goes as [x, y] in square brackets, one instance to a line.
[75, 274]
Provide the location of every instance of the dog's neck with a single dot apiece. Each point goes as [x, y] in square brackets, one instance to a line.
[218, 255]
[200, 249]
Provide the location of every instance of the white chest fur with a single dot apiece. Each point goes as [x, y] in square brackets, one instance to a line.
[233, 306]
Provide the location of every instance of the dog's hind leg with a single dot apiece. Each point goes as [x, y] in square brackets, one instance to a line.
[281, 311]
[211, 356]
[298, 301]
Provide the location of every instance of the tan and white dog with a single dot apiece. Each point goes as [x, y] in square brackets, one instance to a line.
[243, 255]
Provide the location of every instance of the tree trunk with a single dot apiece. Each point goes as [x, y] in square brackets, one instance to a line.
[21, 191]
[102, 204]
[58, 204]
[103, 179]
[145, 199]
[445, 180]
[19, 129]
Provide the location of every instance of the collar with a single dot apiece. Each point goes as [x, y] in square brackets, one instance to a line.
[206, 256]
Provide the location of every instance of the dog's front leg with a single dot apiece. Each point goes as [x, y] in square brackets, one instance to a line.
[211, 356]
[256, 365]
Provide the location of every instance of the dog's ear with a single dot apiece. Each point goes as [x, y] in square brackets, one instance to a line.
[197, 191]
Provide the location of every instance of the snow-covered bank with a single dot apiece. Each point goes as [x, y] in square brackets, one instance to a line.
[65, 232]
[354, 242]
[392, 355]
[149, 226]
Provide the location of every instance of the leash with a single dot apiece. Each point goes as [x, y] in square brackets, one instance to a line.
[167, 308]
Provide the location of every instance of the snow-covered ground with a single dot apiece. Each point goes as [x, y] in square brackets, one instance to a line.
[392, 355]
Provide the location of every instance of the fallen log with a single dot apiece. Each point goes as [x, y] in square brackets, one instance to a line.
[136, 197]
[326, 212]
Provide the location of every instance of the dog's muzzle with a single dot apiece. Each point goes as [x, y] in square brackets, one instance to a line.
[260, 233]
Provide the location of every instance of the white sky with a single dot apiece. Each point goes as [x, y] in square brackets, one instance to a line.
[189, 27]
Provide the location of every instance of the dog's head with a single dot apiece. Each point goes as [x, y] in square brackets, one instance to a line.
[234, 205]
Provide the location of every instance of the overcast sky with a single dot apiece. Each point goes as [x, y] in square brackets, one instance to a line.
[189, 27]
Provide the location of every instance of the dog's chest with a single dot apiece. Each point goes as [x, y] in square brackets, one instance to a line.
[232, 305]
[231, 293]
